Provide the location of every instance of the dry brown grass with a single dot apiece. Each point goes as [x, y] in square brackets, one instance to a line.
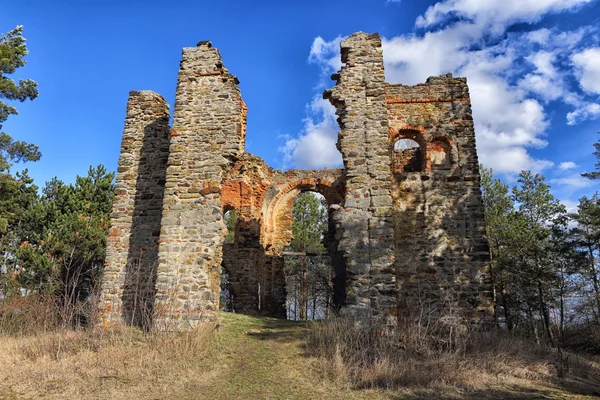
[100, 362]
[257, 358]
[436, 356]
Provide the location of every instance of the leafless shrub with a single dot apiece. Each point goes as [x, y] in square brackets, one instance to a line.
[32, 314]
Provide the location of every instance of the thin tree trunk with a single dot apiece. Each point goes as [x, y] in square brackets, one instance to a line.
[493, 279]
[303, 294]
[545, 315]
[507, 316]
[594, 279]
[532, 325]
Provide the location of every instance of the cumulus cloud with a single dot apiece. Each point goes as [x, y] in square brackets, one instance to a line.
[587, 64]
[586, 111]
[495, 15]
[566, 165]
[315, 146]
[325, 54]
[512, 75]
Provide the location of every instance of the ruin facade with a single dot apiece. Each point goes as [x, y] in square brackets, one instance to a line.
[406, 222]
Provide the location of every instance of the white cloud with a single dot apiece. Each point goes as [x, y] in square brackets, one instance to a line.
[326, 54]
[574, 181]
[587, 64]
[570, 205]
[540, 36]
[512, 76]
[585, 112]
[315, 147]
[495, 15]
[567, 165]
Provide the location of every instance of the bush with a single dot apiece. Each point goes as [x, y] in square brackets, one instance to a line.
[33, 314]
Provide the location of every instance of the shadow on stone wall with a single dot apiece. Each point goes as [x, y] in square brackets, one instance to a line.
[441, 253]
[140, 274]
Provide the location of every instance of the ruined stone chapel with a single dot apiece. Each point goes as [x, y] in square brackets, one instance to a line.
[406, 223]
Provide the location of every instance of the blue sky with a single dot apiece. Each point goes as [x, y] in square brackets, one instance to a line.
[533, 68]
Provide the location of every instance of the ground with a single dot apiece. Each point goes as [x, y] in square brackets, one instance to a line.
[239, 357]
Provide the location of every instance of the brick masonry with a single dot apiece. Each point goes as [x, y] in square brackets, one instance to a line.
[406, 232]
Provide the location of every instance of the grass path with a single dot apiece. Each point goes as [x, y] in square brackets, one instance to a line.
[265, 359]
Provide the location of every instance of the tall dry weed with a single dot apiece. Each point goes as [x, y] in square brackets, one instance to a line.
[426, 356]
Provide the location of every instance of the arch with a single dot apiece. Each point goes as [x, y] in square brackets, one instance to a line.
[407, 150]
[439, 153]
[277, 211]
[277, 222]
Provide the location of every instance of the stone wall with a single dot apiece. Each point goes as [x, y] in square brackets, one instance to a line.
[208, 135]
[365, 221]
[406, 229]
[442, 255]
[128, 290]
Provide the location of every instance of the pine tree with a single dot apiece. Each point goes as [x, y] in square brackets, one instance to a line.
[586, 237]
[595, 174]
[539, 213]
[309, 222]
[12, 52]
[16, 192]
[499, 212]
[65, 256]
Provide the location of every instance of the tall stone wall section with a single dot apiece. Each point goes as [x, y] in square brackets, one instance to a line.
[365, 218]
[132, 245]
[442, 256]
[208, 135]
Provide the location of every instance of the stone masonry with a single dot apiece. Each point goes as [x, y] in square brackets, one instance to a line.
[406, 232]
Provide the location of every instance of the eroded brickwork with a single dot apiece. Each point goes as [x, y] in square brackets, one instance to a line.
[406, 229]
[263, 198]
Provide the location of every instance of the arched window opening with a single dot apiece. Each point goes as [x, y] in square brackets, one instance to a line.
[440, 155]
[308, 266]
[407, 156]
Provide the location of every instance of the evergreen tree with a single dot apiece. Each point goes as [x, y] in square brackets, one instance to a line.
[12, 52]
[595, 174]
[65, 255]
[538, 214]
[16, 192]
[499, 217]
[586, 237]
[19, 226]
[231, 218]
